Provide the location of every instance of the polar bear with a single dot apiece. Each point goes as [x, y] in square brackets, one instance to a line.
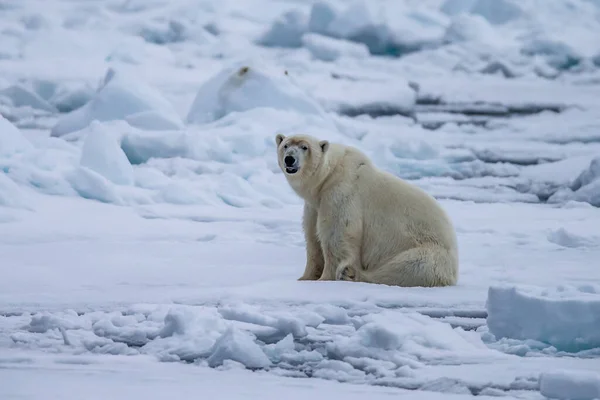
[363, 224]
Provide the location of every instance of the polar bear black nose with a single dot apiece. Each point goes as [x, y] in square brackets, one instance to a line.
[289, 161]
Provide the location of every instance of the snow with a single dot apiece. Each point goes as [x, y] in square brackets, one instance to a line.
[151, 246]
[572, 385]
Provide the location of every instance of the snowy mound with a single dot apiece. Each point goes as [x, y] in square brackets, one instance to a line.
[12, 140]
[120, 96]
[568, 319]
[570, 385]
[245, 86]
[585, 188]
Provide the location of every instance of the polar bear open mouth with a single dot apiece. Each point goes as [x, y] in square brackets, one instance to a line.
[291, 170]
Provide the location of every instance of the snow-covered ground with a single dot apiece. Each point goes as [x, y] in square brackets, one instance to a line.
[150, 246]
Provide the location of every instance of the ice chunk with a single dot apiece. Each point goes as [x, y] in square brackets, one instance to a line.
[570, 385]
[161, 32]
[91, 185]
[58, 96]
[359, 23]
[136, 51]
[564, 238]
[384, 30]
[286, 31]
[11, 194]
[566, 318]
[585, 188]
[376, 99]
[456, 7]
[321, 15]
[153, 120]
[329, 49]
[12, 140]
[589, 175]
[333, 314]
[238, 346]
[277, 350]
[139, 147]
[589, 194]
[119, 96]
[495, 11]
[167, 32]
[42, 322]
[68, 98]
[245, 86]
[101, 153]
[20, 96]
[556, 52]
[469, 27]
[356, 18]
[285, 323]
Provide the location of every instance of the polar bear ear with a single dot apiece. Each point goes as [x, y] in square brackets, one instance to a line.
[324, 144]
[279, 138]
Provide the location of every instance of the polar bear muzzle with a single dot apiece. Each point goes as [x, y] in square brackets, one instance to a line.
[291, 164]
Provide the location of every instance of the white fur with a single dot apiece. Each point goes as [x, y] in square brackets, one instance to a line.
[364, 224]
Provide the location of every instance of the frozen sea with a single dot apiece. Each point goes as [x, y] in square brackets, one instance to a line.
[150, 247]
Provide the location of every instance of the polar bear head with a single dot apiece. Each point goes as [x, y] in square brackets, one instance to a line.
[300, 155]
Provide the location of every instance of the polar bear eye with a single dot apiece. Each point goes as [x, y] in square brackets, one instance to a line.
[285, 146]
[304, 148]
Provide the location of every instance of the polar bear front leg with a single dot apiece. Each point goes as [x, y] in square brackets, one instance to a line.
[314, 253]
[340, 231]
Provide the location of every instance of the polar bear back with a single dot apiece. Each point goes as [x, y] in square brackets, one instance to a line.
[396, 215]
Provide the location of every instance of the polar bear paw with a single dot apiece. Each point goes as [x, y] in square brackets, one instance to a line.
[345, 273]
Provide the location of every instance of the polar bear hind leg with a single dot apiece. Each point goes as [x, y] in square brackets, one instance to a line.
[425, 266]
